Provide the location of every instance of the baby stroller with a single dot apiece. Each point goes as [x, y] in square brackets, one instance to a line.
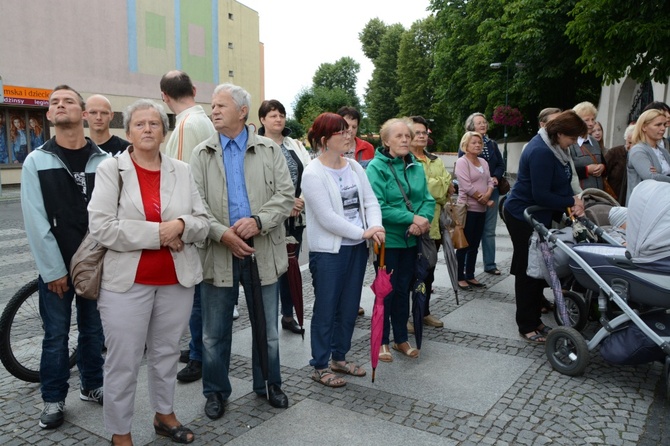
[579, 301]
[635, 278]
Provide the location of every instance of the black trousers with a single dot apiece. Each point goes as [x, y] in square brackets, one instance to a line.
[527, 290]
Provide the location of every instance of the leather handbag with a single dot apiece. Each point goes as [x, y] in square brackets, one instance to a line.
[86, 268]
[86, 264]
[503, 186]
[458, 237]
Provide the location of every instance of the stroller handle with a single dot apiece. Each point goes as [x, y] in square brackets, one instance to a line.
[536, 225]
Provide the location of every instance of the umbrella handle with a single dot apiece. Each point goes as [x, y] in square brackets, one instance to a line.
[382, 251]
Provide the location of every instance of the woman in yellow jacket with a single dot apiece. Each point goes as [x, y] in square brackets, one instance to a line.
[439, 186]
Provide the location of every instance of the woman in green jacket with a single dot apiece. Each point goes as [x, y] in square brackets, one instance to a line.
[393, 168]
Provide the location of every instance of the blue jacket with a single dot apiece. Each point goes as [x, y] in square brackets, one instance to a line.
[542, 180]
[54, 209]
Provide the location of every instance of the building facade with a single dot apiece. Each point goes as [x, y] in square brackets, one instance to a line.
[118, 48]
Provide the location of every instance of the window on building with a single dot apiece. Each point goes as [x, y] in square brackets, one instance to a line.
[231, 73]
[230, 45]
[21, 131]
[230, 16]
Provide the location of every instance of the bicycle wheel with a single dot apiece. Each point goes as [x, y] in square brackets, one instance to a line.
[21, 334]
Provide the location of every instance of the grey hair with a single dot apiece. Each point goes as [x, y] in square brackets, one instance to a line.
[144, 104]
[628, 131]
[470, 122]
[240, 96]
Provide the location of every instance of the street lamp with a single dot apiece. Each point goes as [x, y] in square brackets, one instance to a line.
[497, 66]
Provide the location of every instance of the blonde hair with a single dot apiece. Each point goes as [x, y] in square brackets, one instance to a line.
[644, 119]
[585, 108]
[465, 140]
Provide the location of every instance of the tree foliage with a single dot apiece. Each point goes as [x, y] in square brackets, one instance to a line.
[619, 38]
[334, 86]
[383, 88]
[341, 74]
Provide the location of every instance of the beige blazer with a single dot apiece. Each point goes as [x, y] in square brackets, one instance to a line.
[118, 221]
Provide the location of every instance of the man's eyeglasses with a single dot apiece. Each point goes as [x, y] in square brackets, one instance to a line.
[421, 133]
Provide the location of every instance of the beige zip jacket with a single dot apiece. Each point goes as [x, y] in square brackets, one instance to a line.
[270, 193]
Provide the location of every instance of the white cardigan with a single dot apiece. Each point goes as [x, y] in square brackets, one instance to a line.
[326, 224]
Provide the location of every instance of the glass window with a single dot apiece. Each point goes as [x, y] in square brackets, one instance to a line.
[21, 131]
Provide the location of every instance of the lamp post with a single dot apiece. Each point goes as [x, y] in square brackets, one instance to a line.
[497, 66]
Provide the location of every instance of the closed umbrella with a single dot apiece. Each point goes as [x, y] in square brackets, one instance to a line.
[554, 281]
[258, 328]
[295, 281]
[448, 250]
[381, 287]
[419, 295]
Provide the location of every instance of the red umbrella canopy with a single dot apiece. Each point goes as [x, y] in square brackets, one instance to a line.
[381, 287]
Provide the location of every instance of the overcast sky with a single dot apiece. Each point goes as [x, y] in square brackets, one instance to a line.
[300, 35]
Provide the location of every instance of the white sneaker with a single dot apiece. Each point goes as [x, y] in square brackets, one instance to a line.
[236, 314]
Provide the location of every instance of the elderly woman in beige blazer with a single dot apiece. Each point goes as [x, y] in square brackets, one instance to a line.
[146, 210]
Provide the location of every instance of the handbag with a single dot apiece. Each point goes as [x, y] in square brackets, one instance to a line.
[458, 237]
[427, 245]
[86, 264]
[86, 268]
[503, 186]
[458, 213]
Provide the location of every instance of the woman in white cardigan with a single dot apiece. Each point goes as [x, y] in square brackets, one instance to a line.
[342, 213]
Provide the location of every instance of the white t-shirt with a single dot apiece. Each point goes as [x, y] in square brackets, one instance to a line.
[344, 178]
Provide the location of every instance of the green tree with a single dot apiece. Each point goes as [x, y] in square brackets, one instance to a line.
[341, 74]
[528, 38]
[619, 38]
[383, 88]
[371, 37]
[310, 103]
[417, 85]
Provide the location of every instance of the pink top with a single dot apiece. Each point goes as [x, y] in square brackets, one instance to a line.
[471, 181]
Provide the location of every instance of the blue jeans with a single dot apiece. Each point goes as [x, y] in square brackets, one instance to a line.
[217, 333]
[396, 305]
[489, 237]
[55, 365]
[337, 280]
[195, 327]
[284, 289]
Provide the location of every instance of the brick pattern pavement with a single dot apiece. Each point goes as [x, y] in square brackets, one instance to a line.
[607, 406]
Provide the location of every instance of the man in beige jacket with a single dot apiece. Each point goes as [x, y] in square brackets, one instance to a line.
[247, 190]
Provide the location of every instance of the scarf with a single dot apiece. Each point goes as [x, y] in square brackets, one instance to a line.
[562, 155]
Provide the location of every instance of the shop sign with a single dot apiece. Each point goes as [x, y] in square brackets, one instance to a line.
[26, 96]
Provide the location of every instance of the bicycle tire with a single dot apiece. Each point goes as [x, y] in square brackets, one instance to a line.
[21, 334]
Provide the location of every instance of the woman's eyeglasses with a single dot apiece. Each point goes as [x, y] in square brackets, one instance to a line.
[343, 133]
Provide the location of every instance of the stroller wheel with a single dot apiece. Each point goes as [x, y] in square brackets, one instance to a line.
[567, 351]
[578, 313]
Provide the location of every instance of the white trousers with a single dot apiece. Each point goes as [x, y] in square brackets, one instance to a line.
[145, 315]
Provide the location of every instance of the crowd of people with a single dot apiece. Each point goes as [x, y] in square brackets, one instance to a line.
[223, 206]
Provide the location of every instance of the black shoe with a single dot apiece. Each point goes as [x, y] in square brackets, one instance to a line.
[192, 372]
[293, 326]
[476, 284]
[52, 415]
[277, 397]
[184, 356]
[214, 408]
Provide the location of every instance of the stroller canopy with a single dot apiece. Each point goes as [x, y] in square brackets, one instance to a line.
[648, 227]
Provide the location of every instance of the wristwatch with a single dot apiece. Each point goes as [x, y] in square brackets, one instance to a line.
[258, 221]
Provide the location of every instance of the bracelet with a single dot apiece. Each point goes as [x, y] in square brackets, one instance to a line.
[258, 221]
